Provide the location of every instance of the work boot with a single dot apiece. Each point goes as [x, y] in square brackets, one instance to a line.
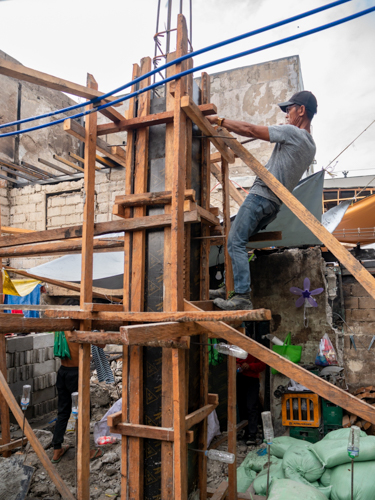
[239, 301]
[220, 293]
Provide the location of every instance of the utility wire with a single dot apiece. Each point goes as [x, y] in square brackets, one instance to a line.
[192, 70]
[171, 63]
[363, 131]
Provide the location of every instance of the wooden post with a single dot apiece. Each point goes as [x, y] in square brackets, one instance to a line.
[205, 199]
[229, 284]
[135, 457]
[4, 408]
[83, 451]
[128, 240]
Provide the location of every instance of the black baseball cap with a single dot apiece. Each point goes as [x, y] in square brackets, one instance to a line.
[304, 98]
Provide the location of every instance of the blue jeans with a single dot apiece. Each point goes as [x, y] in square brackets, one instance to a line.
[254, 214]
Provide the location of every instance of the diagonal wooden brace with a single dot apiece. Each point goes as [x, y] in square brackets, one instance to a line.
[300, 375]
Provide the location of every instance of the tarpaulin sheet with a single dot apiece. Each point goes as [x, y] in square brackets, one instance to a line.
[32, 298]
[358, 224]
[18, 287]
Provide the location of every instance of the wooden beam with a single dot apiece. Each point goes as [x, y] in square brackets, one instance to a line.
[16, 230]
[17, 443]
[71, 164]
[56, 167]
[221, 492]
[11, 323]
[199, 415]
[207, 217]
[21, 72]
[148, 199]
[195, 114]
[147, 432]
[147, 121]
[153, 317]
[132, 224]
[138, 334]
[56, 247]
[343, 256]
[233, 192]
[34, 441]
[291, 370]
[75, 129]
[232, 429]
[65, 284]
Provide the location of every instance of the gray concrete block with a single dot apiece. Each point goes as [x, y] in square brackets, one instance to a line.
[43, 340]
[9, 357]
[20, 343]
[43, 368]
[44, 395]
[11, 375]
[29, 357]
[49, 353]
[16, 387]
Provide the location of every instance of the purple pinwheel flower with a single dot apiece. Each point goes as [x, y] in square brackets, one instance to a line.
[306, 294]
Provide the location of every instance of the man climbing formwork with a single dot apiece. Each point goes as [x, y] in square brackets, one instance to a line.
[292, 155]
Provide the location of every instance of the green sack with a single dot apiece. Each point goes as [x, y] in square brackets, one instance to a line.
[333, 453]
[245, 476]
[281, 444]
[363, 484]
[341, 434]
[60, 346]
[300, 464]
[288, 351]
[286, 489]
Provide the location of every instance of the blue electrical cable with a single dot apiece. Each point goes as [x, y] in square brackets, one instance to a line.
[199, 68]
[177, 61]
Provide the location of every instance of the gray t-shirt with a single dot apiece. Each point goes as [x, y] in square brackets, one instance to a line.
[292, 155]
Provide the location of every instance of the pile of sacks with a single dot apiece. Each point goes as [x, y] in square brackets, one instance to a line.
[319, 471]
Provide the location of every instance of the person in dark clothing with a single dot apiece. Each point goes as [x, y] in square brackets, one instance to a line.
[66, 384]
[248, 371]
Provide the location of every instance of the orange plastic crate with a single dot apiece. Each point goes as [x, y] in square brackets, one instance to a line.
[301, 410]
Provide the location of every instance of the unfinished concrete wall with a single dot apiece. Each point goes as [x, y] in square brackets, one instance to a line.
[360, 318]
[251, 94]
[272, 276]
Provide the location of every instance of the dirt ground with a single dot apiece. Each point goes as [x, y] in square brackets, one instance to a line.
[105, 474]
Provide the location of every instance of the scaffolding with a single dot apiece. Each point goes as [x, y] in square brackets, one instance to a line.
[184, 218]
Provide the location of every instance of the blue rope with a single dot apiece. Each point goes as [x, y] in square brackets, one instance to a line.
[176, 61]
[199, 68]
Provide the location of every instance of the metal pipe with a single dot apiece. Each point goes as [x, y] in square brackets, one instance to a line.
[169, 15]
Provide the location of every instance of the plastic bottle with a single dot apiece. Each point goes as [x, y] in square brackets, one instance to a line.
[267, 426]
[353, 442]
[106, 440]
[273, 339]
[220, 456]
[231, 350]
[239, 369]
[75, 404]
[71, 427]
[25, 400]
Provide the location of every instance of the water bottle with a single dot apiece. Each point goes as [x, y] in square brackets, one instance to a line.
[25, 400]
[106, 440]
[220, 456]
[273, 339]
[75, 404]
[230, 350]
[267, 426]
[353, 442]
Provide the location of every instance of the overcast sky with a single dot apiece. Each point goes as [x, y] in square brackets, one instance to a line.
[72, 37]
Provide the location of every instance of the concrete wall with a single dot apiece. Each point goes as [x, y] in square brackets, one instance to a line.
[251, 94]
[272, 276]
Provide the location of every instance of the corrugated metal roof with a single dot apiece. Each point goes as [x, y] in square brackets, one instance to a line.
[349, 182]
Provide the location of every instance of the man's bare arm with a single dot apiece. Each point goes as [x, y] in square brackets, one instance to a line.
[242, 128]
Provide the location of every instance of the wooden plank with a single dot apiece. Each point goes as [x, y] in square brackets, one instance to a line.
[291, 370]
[75, 129]
[83, 448]
[199, 415]
[229, 282]
[148, 199]
[136, 478]
[68, 163]
[344, 257]
[221, 492]
[147, 432]
[56, 167]
[17, 443]
[34, 441]
[207, 217]
[65, 284]
[132, 224]
[16, 230]
[195, 114]
[133, 335]
[80, 336]
[57, 247]
[124, 415]
[153, 317]
[148, 121]
[236, 195]
[11, 323]
[21, 72]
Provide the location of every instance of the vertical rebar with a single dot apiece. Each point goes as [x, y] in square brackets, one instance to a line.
[156, 32]
[268, 470]
[169, 15]
[181, 6]
[23, 429]
[351, 496]
[191, 24]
